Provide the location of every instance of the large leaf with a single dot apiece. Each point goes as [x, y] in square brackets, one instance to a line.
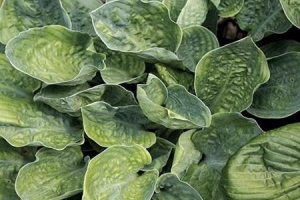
[173, 107]
[193, 13]
[169, 187]
[78, 12]
[260, 20]
[266, 168]
[122, 180]
[185, 154]
[174, 7]
[120, 67]
[278, 48]
[69, 100]
[54, 55]
[54, 174]
[142, 28]
[123, 125]
[227, 133]
[280, 96]
[291, 10]
[226, 78]
[17, 16]
[11, 160]
[196, 42]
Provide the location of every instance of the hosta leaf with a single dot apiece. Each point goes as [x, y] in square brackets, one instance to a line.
[142, 28]
[174, 7]
[267, 167]
[185, 154]
[169, 187]
[291, 10]
[54, 55]
[54, 174]
[193, 13]
[196, 42]
[173, 107]
[120, 67]
[260, 20]
[11, 160]
[78, 12]
[280, 96]
[278, 48]
[17, 16]
[2, 48]
[160, 153]
[171, 76]
[211, 21]
[123, 125]
[227, 133]
[69, 100]
[229, 8]
[122, 180]
[226, 78]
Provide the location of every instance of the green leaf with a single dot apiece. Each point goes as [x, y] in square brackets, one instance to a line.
[196, 42]
[227, 133]
[2, 48]
[174, 7]
[142, 28]
[122, 180]
[280, 96]
[267, 167]
[54, 55]
[193, 13]
[120, 67]
[291, 10]
[211, 21]
[69, 100]
[54, 174]
[160, 153]
[262, 17]
[185, 154]
[123, 125]
[11, 160]
[17, 16]
[169, 187]
[78, 12]
[226, 78]
[173, 107]
[278, 48]
[229, 8]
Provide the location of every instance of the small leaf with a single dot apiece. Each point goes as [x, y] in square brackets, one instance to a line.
[11, 160]
[173, 107]
[121, 181]
[169, 187]
[69, 99]
[226, 78]
[196, 42]
[17, 16]
[185, 154]
[193, 13]
[291, 10]
[229, 8]
[280, 96]
[78, 12]
[278, 48]
[267, 167]
[227, 133]
[260, 20]
[54, 175]
[54, 55]
[123, 125]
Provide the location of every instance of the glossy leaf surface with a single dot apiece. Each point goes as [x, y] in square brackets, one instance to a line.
[54, 174]
[124, 125]
[267, 167]
[60, 55]
[279, 97]
[226, 78]
[122, 180]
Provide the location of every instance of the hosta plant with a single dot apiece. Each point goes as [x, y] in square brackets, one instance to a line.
[138, 99]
